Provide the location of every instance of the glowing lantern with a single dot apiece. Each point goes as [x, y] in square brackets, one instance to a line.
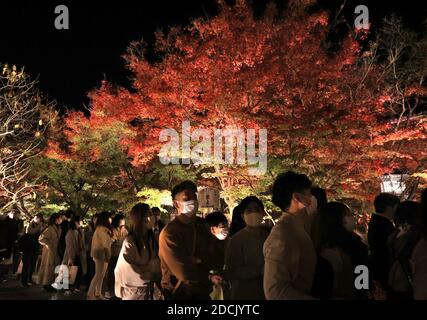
[394, 183]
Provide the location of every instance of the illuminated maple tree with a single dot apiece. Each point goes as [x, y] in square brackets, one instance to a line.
[326, 111]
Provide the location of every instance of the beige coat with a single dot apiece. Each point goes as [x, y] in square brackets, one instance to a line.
[101, 244]
[290, 260]
[71, 249]
[49, 239]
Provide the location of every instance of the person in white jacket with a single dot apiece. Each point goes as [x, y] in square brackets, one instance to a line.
[138, 259]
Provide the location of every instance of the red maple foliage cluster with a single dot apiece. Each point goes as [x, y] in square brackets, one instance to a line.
[324, 111]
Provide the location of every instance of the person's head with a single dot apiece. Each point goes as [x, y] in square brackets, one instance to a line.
[94, 219]
[320, 195]
[218, 224]
[336, 220]
[292, 192]
[386, 204]
[406, 213]
[76, 222]
[104, 219]
[156, 213]
[184, 196]
[55, 219]
[38, 218]
[237, 222]
[68, 214]
[141, 218]
[118, 221]
[252, 211]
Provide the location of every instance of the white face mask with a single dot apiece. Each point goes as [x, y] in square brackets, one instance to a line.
[349, 223]
[189, 208]
[222, 235]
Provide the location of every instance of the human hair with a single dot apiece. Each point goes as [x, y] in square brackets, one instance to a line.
[237, 221]
[69, 213]
[185, 185]
[334, 234]
[320, 195]
[54, 217]
[73, 221]
[285, 185]
[248, 200]
[103, 219]
[116, 219]
[384, 200]
[407, 212]
[215, 218]
[137, 230]
[156, 210]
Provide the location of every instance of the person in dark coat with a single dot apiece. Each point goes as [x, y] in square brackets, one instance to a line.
[244, 258]
[379, 230]
[29, 246]
[10, 225]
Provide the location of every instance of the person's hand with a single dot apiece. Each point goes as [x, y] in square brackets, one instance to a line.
[47, 247]
[216, 279]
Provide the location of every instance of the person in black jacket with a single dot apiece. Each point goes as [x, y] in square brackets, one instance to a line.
[9, 230]
[379, 229]
[29, 246]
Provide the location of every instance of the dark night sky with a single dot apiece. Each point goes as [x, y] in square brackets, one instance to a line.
[69, 63]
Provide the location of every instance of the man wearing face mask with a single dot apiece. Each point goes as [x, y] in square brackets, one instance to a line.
[290, 257]
[184, 249]
[218, 227]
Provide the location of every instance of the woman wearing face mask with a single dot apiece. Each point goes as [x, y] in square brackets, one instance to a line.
[138, 257]
[244, 259]
[343, 248]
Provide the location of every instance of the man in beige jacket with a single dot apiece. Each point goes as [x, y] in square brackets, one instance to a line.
[290, 257]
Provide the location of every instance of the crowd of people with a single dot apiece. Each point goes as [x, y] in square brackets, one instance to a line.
[311, 252]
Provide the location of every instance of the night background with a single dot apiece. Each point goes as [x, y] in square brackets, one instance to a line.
[69, 63]
[283, 136]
